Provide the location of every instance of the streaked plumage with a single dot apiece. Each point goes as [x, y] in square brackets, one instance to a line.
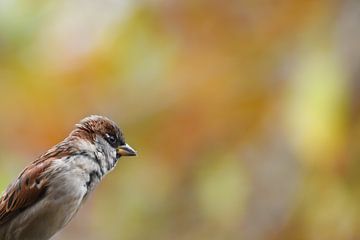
[48, 192]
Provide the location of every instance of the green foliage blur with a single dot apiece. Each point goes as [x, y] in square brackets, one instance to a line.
[245, 114]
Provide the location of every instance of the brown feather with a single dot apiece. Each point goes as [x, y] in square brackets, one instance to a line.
[28, 188]
[32, 183]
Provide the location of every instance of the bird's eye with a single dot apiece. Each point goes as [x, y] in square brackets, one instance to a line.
[111, 139]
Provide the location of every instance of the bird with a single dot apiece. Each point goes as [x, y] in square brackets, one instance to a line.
[49, 192]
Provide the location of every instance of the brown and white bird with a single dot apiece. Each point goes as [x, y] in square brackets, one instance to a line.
[48, 193]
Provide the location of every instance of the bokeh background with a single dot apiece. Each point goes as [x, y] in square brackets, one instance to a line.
[245, 113]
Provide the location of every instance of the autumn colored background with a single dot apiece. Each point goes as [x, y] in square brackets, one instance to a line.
[245, 113]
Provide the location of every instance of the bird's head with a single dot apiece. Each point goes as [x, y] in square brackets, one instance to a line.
[104, 137]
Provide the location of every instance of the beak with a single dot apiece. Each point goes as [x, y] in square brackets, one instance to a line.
[125, 150]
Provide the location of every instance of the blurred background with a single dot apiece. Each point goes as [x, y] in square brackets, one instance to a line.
[245, 113]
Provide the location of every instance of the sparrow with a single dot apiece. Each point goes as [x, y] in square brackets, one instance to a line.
[49, 192]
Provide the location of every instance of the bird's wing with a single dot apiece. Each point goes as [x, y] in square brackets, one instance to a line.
[32, 183]
[25, 191]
